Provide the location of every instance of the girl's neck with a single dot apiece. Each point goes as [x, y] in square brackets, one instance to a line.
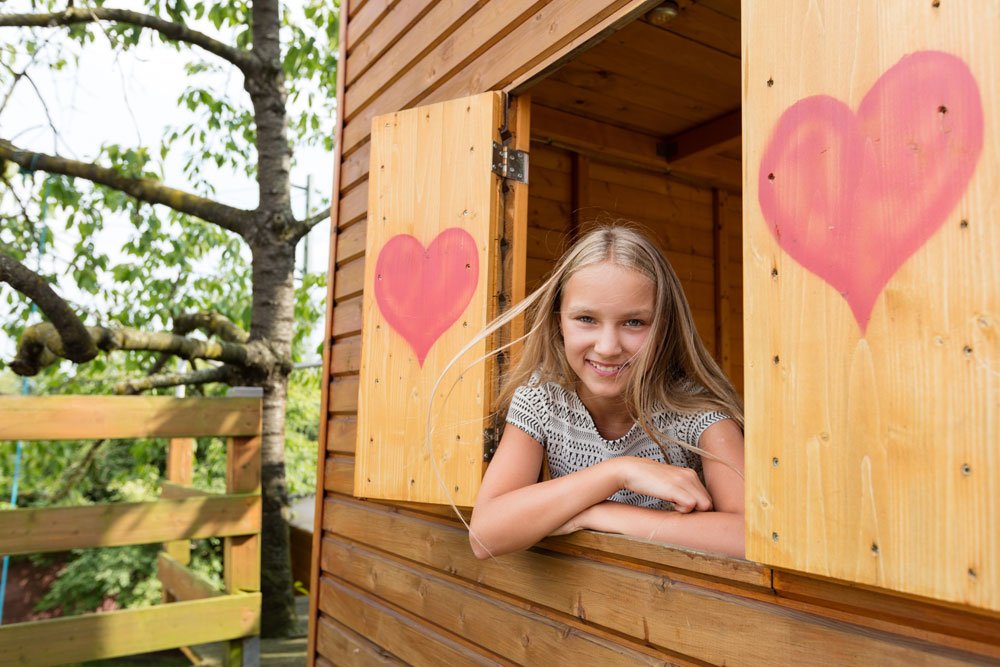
[611, 416]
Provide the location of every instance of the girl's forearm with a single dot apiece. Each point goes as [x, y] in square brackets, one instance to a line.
[721, 532]
[520, 518]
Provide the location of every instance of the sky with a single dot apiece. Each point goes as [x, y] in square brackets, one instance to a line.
[130, 99]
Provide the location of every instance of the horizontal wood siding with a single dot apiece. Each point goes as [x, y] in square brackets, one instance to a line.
[396, 583]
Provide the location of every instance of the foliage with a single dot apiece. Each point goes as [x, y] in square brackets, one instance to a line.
[119, 260]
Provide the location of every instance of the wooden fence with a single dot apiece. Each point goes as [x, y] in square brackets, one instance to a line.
[197, 612]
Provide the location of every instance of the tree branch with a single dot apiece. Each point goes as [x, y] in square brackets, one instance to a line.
[211, 323]
[300, 228]
[40, 346]
[74, 339]
[204, 376]
[143, 189]
[177, 32]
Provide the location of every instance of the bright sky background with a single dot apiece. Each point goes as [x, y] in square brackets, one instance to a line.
[130, 99]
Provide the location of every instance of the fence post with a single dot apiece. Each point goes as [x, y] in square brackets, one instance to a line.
[180, 470]
[241, 555]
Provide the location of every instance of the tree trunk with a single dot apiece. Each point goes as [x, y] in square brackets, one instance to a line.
[273, 308]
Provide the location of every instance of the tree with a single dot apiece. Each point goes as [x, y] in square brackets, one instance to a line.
[281, 57]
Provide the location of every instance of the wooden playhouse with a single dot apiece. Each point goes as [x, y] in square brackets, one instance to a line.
[824, 178]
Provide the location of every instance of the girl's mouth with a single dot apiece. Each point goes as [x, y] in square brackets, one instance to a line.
[606, 370]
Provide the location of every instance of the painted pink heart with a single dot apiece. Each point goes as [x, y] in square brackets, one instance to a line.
[422, 292]
[851, 196]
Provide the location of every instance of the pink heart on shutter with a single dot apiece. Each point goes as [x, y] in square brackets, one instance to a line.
[851, 196]
[422, 292]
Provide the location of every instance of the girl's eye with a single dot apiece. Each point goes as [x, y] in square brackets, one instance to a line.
[586, 319]
[634, 323]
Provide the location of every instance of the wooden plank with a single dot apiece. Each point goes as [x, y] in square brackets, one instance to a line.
[593, 72]
[659, 609]
[528, 637]
[124, 632]
[343, 430]
[353, 204]
[172, 490]
[34, 530]
[975, 632]
[723, 309]
[96, 417]
[554, 33]
[338, 642]
[491, 23]
[443, 20]
[687, 562]
[708, 26]
[365, 19]
[347, 317]
[549, 157]
[876, 391]
[349, 279]
[548, 214]
[397, 22]
[702, 74]
[339, 477]
[181, 582]
[346, 356]
[241, 554]
[344, 394]
[351, 242]
[597, 104]
[550, 184]
[354, 167]
[414, 641]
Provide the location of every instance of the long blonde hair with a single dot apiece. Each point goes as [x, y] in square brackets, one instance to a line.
[672, 371]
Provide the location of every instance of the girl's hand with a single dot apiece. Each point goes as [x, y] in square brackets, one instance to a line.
[680, 486]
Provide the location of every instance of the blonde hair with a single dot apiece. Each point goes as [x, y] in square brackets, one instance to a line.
[672, 372]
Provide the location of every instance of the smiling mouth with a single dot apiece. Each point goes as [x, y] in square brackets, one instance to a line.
[606, 370]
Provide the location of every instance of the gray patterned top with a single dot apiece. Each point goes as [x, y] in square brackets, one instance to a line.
[558, 419]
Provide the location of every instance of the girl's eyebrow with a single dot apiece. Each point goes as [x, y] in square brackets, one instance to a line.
[644, 314]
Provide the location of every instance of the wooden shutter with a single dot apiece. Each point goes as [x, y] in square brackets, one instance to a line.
[434, 210]
[871, 255]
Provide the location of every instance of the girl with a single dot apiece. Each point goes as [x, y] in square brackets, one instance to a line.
[616, 392]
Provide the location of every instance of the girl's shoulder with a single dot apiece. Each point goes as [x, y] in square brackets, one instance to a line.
[687, 426]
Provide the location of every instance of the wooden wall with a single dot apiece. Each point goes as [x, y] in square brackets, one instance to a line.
[397, 584]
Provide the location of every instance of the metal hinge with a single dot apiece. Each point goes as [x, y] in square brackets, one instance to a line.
[510, 163]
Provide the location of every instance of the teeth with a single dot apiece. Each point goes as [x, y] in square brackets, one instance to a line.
[606, 369]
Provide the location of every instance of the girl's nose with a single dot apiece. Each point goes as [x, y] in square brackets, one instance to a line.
[608, 343]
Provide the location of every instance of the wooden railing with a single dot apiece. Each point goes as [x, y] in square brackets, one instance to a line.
[198, 613]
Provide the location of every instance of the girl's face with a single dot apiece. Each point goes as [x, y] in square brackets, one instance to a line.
[605, 318]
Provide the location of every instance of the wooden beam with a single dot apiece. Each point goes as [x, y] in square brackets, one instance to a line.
[33, 530]
[96, 417]
[714, 136]
[181, 582]
[124, 632]
[595, 138]
[169, 490]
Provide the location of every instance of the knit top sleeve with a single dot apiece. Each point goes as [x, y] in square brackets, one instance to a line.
[529, 411]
